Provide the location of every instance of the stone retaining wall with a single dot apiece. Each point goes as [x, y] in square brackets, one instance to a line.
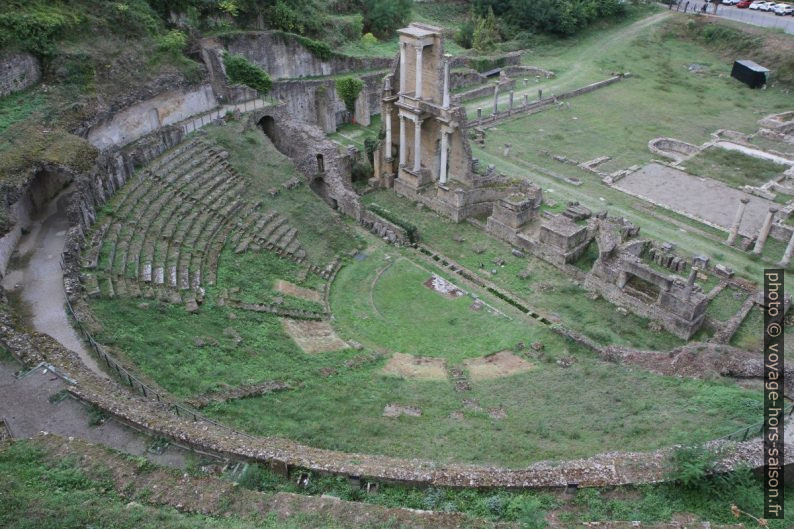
[18, 71]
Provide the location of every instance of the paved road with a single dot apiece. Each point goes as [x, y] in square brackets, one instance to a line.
[757, 18]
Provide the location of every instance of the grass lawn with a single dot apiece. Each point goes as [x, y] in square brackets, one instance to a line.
[551, 412]
[382, 301]
[546, 290]
[733, 167]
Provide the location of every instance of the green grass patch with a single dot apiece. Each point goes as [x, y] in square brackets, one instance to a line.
[733, 167]
[382, 301]
[593, 407]
[546, 290]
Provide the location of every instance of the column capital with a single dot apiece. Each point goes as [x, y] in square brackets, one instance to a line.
[773, 210]
[419, 46]
[744, 200]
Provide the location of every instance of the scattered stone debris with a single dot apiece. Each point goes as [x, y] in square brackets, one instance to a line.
[479, 250]
[518, 253]
[497, 413]
[538, 346]
[566, 361]
[396, 410]
[456, 415]
[444, 287]
[292, 183]
[524, 274]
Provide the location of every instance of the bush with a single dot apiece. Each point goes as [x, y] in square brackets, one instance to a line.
[34, 28]
[321, 50]
[691, 466]
[368, 39]
[240, 71]
[172, 42]
[348, 89]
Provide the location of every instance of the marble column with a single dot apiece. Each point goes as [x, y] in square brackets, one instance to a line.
[787, 254]
[388, 135]
[417, 145]
[510, 106]
[445, 100]
[737, 221]
[442, 170]
[403, 45]
[764, 233]
[418, 90]
[402, 141]
[496, 98]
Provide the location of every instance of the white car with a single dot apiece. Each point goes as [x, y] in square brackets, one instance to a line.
[756, 5]
[766, 6]
[783, 9]
[730, 2]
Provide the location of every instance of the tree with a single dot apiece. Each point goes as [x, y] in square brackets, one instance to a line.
[383, 17]
[240, 71]
[348, 88]
[486, 33]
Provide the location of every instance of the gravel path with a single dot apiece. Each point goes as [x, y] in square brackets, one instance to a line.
[35, 276]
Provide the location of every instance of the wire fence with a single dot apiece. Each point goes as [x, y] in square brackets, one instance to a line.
[135, 383]
[748, 432]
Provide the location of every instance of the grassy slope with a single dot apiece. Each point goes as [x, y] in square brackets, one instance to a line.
[38, 493]
[322, 232]
[49, 493]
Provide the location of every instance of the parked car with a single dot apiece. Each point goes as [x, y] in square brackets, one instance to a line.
[730, 2]
[757, 5]
[766, 6]
[744, 4]
[783, 9]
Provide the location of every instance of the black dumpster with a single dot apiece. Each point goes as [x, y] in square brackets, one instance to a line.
[750, 73]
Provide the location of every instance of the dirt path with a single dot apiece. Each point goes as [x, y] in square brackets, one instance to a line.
[35, 278]
[578, 72]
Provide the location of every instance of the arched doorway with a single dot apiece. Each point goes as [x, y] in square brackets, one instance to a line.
[268, 126]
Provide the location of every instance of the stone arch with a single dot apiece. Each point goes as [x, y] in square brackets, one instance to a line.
[268, 126]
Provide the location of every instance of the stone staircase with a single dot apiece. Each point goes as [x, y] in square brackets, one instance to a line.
[170, 224]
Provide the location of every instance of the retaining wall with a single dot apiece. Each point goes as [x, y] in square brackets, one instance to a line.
[18, 71]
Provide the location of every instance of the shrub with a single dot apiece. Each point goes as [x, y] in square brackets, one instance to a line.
[691, 465]
[368, 39]
[321, 50]
[172, 42]
[239, 70]
[348, 89]
[34, 28]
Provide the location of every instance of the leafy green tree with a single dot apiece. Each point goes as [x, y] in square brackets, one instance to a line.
[240, 71]
[348, 89]
[486, 33]
[383, 17]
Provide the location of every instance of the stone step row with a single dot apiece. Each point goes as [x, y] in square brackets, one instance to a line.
[295, 314]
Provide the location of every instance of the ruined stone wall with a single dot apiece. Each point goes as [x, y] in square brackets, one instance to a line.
[18, 71]
[302, 143]
[282, 56]
[147, 116]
